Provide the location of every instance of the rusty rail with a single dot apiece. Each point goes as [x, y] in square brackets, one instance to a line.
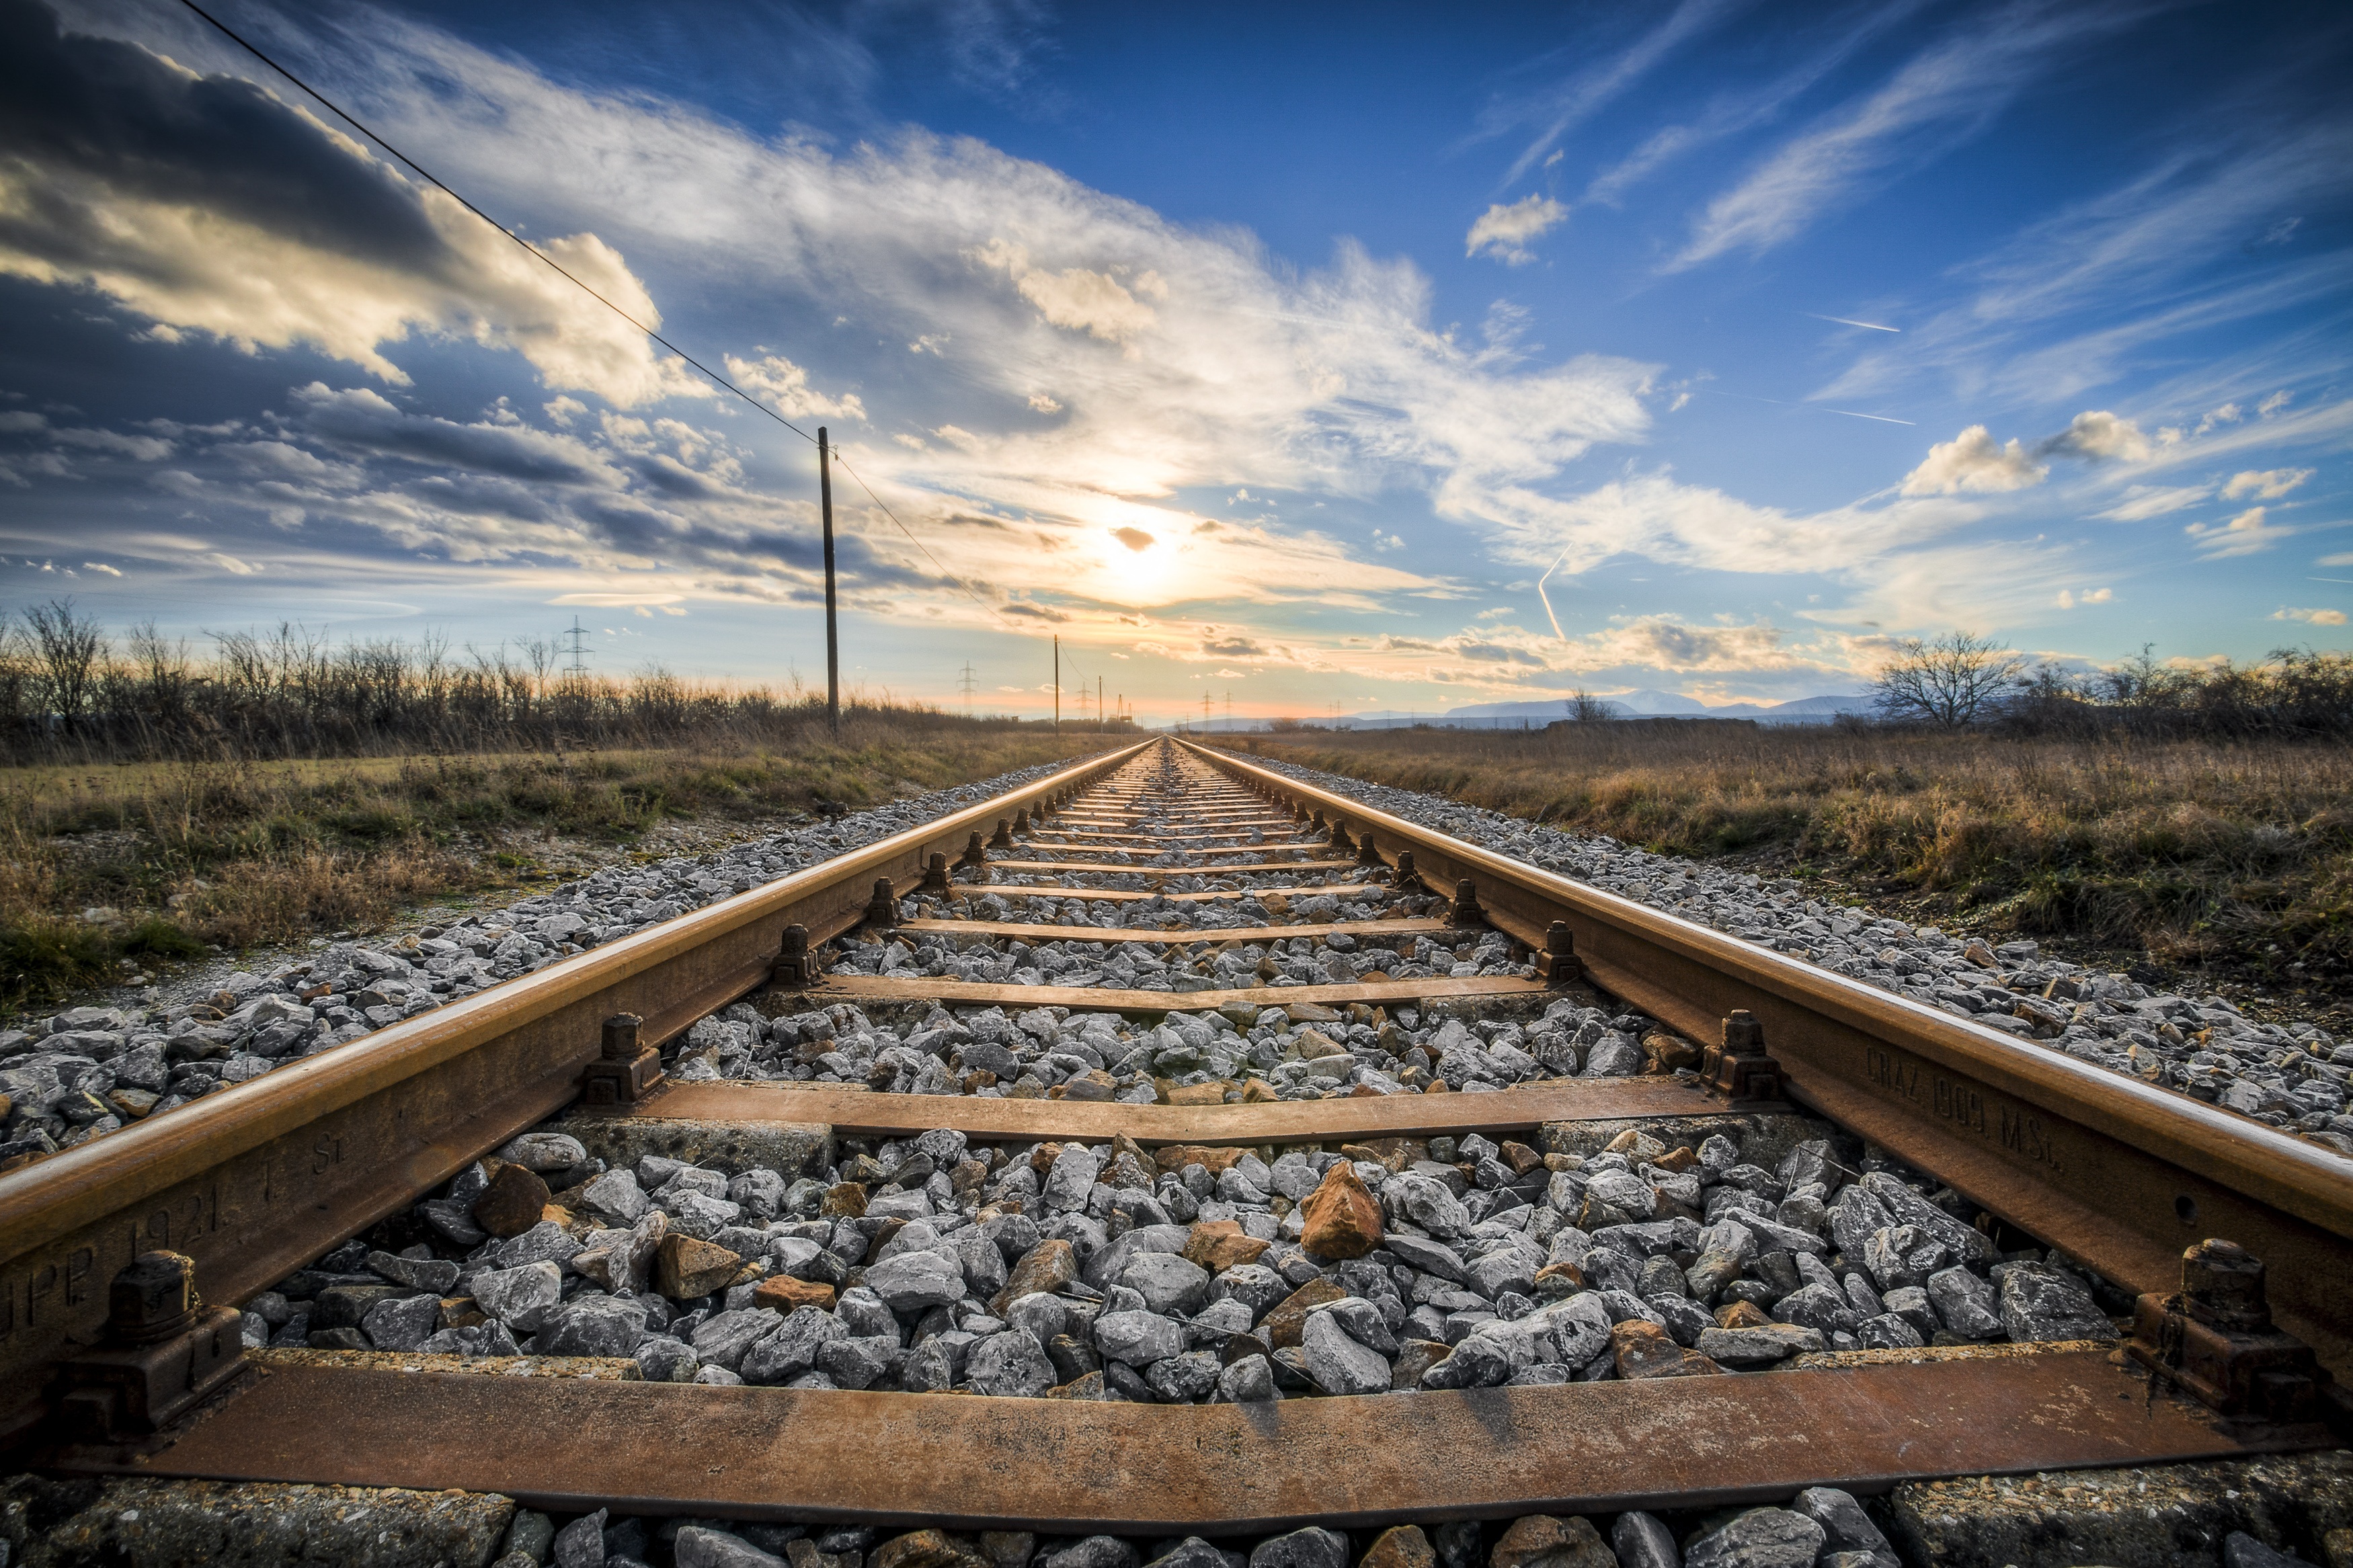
[2112, 1170]
[261, 1178]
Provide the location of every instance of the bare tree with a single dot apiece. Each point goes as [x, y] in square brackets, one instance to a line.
[1587, 709]
[1951, 682]
[68, 646]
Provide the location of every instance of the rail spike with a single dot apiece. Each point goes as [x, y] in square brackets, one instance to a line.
[1465, 910]
[2215, 1341]
[882, 909]
[975, 860]
[936, 875]
[165, 1354]
[1366, 854]
[1003, 837]
[1340, 839]
[796, 965]
[1740, 1069]
[1559, 964]
[626, 1070]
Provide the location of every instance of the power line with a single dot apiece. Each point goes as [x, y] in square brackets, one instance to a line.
[430, 178]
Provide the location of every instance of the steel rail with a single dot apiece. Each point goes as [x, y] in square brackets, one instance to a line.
[261, 1178]
[2112, 1170]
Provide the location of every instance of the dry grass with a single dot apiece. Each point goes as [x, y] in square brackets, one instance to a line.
[2232, 860]
[236, 855]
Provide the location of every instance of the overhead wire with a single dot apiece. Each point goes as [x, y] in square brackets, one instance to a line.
[438, 183]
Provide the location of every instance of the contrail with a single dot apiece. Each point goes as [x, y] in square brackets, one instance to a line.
[1844, 322]
[1883, 418]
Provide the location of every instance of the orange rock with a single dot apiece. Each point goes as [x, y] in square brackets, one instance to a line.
[1540, 1540]
[1342, 1218]
[784, 1293]
[1401, 1546]
[1047, 1267]
[1287, 1318]
[1204, 1235]
[1741, 1315]
[1644, 1349]
[1258, 1091]
[511, 1203]
[846, 1200]
[1210, 1093]
[685, 1268]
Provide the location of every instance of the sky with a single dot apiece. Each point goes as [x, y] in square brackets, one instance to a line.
[1307, 360]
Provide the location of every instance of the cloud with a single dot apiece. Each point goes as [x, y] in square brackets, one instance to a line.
[2098, 435]
[204, 203]
[1134, 537]
[1083, 300]
[2068, 598]
[2315, 617]
[1504, 232]
[2142, 502]
[2245, 535]
[113, 572]
[1972, 462]
[2264, 484]
[1939, 97]
[1570, 102]
[1043, 404]
[785, 387]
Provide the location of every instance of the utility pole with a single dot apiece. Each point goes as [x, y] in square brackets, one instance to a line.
[1057, 683]
[1229, 710]
[832, 633]
[1099, 712]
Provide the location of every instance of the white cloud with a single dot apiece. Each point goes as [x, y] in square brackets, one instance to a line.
[784, 386]
[1505, 232]
[2314, 618]
[1083, 300]
[1043, 404]
[1955, 87]
[1570, 102]
[2245, 535]
[1973, 461]
[2098, 435]
[2265, 484]
[2142, 502]
[115, 572]
[2068, 598]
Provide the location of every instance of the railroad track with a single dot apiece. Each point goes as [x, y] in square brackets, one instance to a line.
[1233, 1147]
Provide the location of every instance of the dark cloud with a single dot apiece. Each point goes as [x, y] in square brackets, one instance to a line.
[1134, 537]
[119, 117]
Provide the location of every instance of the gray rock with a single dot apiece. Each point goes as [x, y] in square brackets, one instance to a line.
[1486, 1358]
[1641, 1540]
[1071, 1177]
[1183, 1379]
[2241, 1550]
[1013, 1363]
[855, 1362]
[1248, 1381]
[2039, 1305]
[544, 1152]
[1750, 1347]
[1909, 1207]
[1195, 1552]
[1964, 1302]
[1041, 1316]
[1429, 1256]
[595, 1325]
[402, 1324]
[698, 1547]
[438, 1275]
[664, 1360]
[1168, 1284]
[1363, 1322]
[1309, 1548]
[722, 1339]
[1844, 1524]
[1888, 1333]
[1422, 1202]
[519, 1298]
[1337, 1363]
[1254, 1285]
[616, 1196]
[1095, 1552]
[1761, 1537]
[581, 1543]
[911, 1281]
[1138, 1338]
[861, 1312]
[788, 1352]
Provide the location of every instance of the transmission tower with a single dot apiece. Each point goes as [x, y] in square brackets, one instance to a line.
[1229, 710]
[576, 636]
[966, 682]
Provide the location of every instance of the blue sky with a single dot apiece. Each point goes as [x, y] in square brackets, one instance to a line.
[1329, 358]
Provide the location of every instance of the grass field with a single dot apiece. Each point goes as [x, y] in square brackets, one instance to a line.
[2227, 862]
[232, 854]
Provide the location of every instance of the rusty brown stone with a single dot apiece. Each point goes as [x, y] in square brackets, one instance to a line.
[1741, 1315]
[845, 1200]
[1414, 1358]
[1520, 1157]
[926, 1549]
[1046, 1268]
[1677, 1161]
[1218, 1245]
[685, 1268]
[511, 1203]
[1436, 1086]
[1542, 1541]
[1663, 1053]
[1258, 1091]
[1287, 1319]
[1644, 1349]
[1210, 1093]
[1556, 1281]
[783, 1293]
[1176, 1156]
[1088, 1385]
[1042, 1158]
[1342, 1217]
[1399, 1546]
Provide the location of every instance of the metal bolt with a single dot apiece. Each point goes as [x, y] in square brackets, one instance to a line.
[1003, 837]
[795, 941]
[2222, 1284]
[1743, 1035]
[621, 1036]
[882, 909]
[1366, 854]
[936, 875]
[153, 1297]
